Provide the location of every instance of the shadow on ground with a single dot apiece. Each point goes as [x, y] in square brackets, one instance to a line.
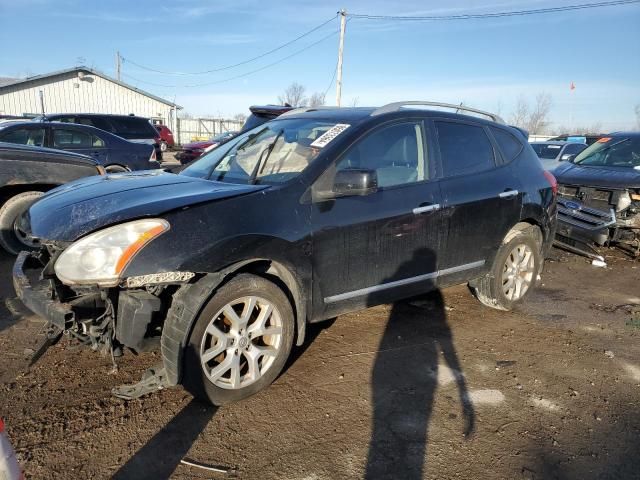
[160, 456]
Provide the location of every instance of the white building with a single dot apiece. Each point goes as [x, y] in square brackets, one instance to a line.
[81, 90]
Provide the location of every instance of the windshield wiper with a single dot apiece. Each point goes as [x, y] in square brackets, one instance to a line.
[252, 178]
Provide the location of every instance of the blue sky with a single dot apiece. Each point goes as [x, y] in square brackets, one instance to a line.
[484, 63]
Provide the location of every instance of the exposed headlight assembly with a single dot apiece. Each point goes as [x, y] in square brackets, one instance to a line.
[101, 257]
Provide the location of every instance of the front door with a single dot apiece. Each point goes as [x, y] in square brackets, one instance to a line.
[373, 248]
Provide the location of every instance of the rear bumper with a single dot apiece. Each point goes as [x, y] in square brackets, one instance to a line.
[38, 297]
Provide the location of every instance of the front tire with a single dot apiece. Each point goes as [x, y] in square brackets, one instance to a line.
[12, 239]
[240, 342]
[514, 273]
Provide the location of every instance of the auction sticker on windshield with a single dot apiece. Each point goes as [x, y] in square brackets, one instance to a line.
[324, 139]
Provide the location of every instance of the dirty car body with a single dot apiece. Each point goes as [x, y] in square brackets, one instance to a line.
[599, 195]
[329, 210]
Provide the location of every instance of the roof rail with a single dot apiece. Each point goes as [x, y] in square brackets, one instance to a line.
[395, 106]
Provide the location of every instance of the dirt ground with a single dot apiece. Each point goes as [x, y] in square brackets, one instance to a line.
[437, 388]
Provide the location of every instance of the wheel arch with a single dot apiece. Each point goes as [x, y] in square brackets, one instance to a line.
[190, 299]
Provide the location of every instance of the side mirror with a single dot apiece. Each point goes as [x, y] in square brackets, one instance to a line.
[567, 157]
[349, 183]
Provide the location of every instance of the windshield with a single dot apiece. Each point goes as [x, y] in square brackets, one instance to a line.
[272, 153]
[546, 151]
[612, 152]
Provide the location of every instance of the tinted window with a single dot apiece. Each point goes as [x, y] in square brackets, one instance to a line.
[396, 153]
[463, 148]
[574, 148]
[509, 145]
[24, 136]
[546, 151]
[133, 127]
[71, 139]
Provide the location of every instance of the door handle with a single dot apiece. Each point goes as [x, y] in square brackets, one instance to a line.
[509, 194]
[427, 208]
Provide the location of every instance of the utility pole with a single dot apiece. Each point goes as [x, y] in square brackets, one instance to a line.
[118, 64]
[343, 23]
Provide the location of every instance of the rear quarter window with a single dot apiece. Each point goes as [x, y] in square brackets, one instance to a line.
[508, 143]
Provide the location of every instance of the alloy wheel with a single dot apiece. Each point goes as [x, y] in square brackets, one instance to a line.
[518, 272]
[241, 342]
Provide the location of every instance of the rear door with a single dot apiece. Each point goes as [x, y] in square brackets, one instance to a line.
[482, 198]
[374, 248]
[65, 137]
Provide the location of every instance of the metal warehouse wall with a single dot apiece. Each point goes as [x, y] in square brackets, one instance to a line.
[68, 93]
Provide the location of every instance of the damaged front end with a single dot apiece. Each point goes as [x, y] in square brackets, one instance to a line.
[600, 216]
[110, 319]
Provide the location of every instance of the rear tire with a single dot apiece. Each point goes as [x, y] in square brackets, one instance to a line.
[232, 334]
[11, 238]
[514, 272]
[163, 146]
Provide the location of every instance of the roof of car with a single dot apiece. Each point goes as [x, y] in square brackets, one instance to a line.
[356, 114]
[555, 142]
[110, 115]
[79, 126]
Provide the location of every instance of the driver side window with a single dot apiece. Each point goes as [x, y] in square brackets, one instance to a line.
[395, 152]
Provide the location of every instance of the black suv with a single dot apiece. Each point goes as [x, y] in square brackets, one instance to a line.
[316, 213]
[129, 127]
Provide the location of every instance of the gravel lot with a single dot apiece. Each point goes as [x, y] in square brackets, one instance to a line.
[436, 388]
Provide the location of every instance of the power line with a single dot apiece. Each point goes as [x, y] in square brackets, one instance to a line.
[237, 76]
[514, 13]
[244, 62]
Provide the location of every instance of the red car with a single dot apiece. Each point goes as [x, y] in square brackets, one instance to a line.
[166, 137]
[194, 150]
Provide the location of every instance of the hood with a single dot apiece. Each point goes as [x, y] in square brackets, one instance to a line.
[68, 212]
[608, 177]
[204, 144]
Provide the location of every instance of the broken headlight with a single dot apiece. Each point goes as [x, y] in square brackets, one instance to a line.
[101, 257]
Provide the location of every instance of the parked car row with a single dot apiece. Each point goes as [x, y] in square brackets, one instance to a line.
[111, 151]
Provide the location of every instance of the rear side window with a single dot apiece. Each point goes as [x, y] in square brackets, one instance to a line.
[24, 136]
[509, 145]
[464, 148]
[133, 127]
[71, 139]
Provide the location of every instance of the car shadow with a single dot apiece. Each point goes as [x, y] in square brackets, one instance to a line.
[404, 382]
[161, 455]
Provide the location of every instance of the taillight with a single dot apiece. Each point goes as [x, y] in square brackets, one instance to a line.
[552, 181]
[152, 158]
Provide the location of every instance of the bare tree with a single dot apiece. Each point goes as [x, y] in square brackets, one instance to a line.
[317, 99]
[520, 114]
[354, 102]
[536, 119]
[240, 117]
[293, 95]
[539, 117]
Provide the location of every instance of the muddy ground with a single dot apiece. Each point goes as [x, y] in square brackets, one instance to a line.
[435, 389]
